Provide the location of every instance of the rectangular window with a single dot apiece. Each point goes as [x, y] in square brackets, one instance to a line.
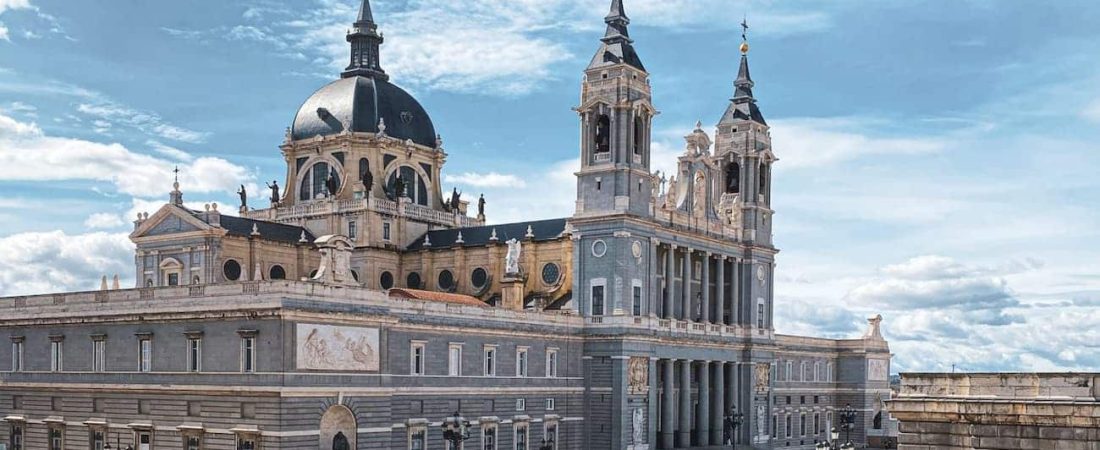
[99, 355]
[521, 437]
[352, 228]
[16, 436]
[817, 424]
[489, 437]
[802, 424]
[760, 315]
[145, 355]
[194, 443]
[385, 231]
[550, 404]
[637, 300]
[552, 363]
[552, 436]
[248, 354]
[57, 356]
[417, 439]
[174, 279]
[790, 368]
[597, 301]
[243, 443]
[194, 355]
[775, 426]
[490, 361]
[521, 362]
[416, 359]
[454, 362]
[787, 425]
[521, 404]
[17, 356]
[56, 438]
[96, 439]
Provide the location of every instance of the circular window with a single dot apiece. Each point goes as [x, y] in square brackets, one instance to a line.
[599, 248]
[232, 270]
[446, 280]
[277, 273]
[386, 280]
[413, 280]
[479, 277]
[550, 273]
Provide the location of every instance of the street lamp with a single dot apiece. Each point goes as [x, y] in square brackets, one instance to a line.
[732, 421]
[456, 431]
[848, 422]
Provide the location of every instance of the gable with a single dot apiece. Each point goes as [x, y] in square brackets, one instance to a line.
[172, 224]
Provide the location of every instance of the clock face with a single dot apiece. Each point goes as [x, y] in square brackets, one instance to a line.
[760, 273]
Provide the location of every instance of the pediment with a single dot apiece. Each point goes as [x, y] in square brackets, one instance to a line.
[170, 220]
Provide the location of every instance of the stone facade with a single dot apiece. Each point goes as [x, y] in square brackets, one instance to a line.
[364, 306]
[998, 411]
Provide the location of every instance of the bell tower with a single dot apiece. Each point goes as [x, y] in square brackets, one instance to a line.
[744, 148]
[616, 116]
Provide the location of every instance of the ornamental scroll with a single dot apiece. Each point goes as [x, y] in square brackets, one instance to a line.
[762, 372]
[638, 374]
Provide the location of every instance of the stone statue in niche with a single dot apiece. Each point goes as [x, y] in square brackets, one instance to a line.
[638, 375]
[511, 259]
[670, 195]
[761, 423]
[700, 196]
[637, 422]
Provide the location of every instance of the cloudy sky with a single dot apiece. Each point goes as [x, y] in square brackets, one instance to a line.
[939, 159]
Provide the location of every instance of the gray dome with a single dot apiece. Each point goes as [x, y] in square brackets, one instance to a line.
[356, 103]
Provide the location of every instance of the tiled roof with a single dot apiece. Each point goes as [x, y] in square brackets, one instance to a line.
[543, 230]
[416, 294]
[271, 231]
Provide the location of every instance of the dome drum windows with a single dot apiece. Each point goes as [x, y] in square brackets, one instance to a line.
[412, 186]
[551, 274]
[446, 281]
[318, 181]
[277, 272]
[385, 281]
[231, 270]
[413, 281]
[480, 280]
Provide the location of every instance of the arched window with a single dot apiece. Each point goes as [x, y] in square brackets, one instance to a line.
[603, 134]
[416, 189]
[479, 277]
[733, 178]
[446, 281]
[386, 280]
[639, 134]
[364, 169]
[878, 421]
[276, 273]
[763, 178]
[232, 270]
[412, 281]
[314, 182]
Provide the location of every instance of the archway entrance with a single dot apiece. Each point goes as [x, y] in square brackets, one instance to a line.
[338, 429]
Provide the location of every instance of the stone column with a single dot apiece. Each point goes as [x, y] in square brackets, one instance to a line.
[702, 420]
[670, 276]
[686, 313]
[735, 293]
[718, 401]
[720, 292]
[683, 434]
[668, 410]
[704, 308]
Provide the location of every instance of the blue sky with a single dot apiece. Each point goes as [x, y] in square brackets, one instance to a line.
[938, 160]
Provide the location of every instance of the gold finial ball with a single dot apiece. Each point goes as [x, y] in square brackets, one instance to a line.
[744, 48]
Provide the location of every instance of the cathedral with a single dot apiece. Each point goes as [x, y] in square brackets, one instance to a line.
[366, 307]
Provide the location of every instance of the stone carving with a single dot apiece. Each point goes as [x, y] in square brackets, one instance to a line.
[761, 375]
[670, 195]
[637, 423]
[511, 260]
[761, 422]
[638, 375]
[874, 328]
[331, 184]
[274, 186]
[243, 193]
[335, 260]
[481, 206]
[700, 196]
[878, 369]
[325, 347]
[729, 208]
[698, 143]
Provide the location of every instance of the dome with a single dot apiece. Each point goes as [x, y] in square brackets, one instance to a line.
[356, 103]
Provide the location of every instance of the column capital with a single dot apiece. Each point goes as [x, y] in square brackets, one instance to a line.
[672, 246]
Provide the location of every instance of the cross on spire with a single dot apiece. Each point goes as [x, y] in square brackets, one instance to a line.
[176, 197]
[745, 28]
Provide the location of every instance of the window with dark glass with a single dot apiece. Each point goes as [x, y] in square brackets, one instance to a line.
[550, 273]
[637, 300]
[386, 280]
[639, 135]
[446, 280]
[416, 189]
[277, 272]
[313, 182]
[248, 354]
[603, 134]
[56, 438]
[194, 443]
[417, 439]
[246, 443]
[194, 354]
[412, 280]
[96, 439]
[385, 231]
[552, 436]
[479, 277]
[521, 437]
[173, 279]
[489, 438]
[352, 229]
[597, 301]
[232, 270]
[16, 436]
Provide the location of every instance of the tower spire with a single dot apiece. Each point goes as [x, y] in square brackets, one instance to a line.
[176, 197]
[617, 46]
[365, 41]
[744, 83]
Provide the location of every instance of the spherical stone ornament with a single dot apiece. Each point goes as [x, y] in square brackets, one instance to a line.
[744, 48]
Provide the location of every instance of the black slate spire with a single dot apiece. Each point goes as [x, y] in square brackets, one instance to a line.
[617, 45]
[365, 41]
[743, 104]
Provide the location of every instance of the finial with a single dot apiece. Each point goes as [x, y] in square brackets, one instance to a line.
[255, 229]
[381, 126]
[177, 172]
[303, 238]
[530, 232]
[745, 35]
[699, 125]
[114, 284]
[459, 240]
[493, 237]
[103, 283]
[427, 241]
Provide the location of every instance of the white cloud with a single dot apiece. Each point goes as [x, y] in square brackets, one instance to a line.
[4, 33]
[812, 142]
[26, 154]
[1092, 111]
[14, 4]
[491, 179]
[43, 262]
[169, 151]
[109, 113]
[103, 221]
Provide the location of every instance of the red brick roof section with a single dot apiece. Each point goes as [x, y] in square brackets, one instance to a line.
[416, 294]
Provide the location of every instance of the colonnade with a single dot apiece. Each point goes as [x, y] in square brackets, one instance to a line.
[714, 302]
[692, 415]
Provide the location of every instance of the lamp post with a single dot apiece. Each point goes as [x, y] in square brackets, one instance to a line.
[731, 422]
[848, 422]
[456, 431]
